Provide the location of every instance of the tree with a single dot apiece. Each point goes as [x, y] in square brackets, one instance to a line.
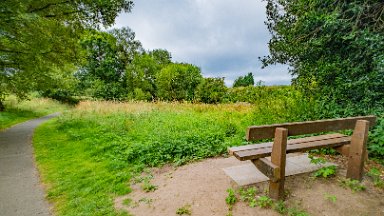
[38, 38]
[334, 48]
[141, 73]
[108, 54]
[178, 81]
[246, 80]
[211, 90]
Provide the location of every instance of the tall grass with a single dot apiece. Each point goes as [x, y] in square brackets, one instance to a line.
[19, 111]
[88, 155]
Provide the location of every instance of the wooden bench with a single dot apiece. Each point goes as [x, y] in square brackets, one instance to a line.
[352, 146]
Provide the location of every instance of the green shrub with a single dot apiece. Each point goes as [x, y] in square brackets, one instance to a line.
[376, 141]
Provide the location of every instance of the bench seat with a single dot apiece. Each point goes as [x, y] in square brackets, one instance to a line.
[256, 151]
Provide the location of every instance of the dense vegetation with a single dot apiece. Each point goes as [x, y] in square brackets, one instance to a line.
[335, 49]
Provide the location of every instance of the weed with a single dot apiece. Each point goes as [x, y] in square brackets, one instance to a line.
[248, 195]
[231, 198]
[127, 202]
[376, 177]
[326, 172]
[146, 201]
[316, 160]
[296, 212]
[185, 210]
[229, 214]
[148, 187]
[280, 207]
[264, 202]
[330, 197]
[354, 185]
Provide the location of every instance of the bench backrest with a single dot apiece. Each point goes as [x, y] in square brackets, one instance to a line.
[309, 127]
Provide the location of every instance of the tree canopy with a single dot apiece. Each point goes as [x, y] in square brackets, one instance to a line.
[246, 80]
[38, 38]
[334, 48]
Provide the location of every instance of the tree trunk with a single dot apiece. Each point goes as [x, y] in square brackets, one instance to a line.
[2, 107]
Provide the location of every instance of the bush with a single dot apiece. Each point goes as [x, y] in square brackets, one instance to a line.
[211, 90]
[61, 95]
[376, 141]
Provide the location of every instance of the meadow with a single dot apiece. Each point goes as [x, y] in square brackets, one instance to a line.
[89, 154]
[92, 152]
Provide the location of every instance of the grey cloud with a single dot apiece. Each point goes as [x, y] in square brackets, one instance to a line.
[223, 37]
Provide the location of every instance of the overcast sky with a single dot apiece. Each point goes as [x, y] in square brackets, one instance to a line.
[222, 37]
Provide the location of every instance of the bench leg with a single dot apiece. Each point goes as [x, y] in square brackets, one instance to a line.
[357, 151]
[278, 158]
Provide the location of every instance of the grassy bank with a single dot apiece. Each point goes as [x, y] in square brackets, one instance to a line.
[19, 111]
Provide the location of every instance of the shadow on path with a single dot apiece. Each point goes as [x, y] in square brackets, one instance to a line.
[20, 190]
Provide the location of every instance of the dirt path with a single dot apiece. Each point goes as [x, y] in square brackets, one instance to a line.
[202, 188]
[20, 189]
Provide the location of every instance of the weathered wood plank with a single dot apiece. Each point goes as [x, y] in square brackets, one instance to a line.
[358, 150]
[278, 158]
[290, 142]
[309, 127]
[268, 169]
[298, 147]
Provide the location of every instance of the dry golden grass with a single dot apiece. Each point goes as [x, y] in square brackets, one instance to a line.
[107, 107]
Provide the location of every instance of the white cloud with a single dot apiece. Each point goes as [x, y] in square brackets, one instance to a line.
[224, 38]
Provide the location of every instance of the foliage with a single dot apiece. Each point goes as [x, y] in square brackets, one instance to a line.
[335, 48]
[141, 73]
[38, 39]
[375, 174]
[376, 141]
[326, 172]
[177, 82]
[185, 210]
[330, 197]
[107, 56]
[231, 199]
[244, 81]
[211, 90]
[248, 195]
[354, 185]
[264, 202]
[148, 187]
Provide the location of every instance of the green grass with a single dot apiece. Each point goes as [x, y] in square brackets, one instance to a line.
[88, 157]
[20, 111]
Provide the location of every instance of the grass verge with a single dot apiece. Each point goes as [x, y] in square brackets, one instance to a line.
[17, 112]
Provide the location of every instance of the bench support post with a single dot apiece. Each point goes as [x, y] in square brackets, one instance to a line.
[278, 158]
[357, 151]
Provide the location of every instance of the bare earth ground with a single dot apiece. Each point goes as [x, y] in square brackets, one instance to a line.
[203, 185]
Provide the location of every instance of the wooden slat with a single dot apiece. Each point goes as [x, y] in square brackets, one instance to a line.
[290, 142]
[299, 147]
[268, 168]
[309, 127]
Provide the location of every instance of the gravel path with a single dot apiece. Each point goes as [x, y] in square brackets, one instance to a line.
[20, 190]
